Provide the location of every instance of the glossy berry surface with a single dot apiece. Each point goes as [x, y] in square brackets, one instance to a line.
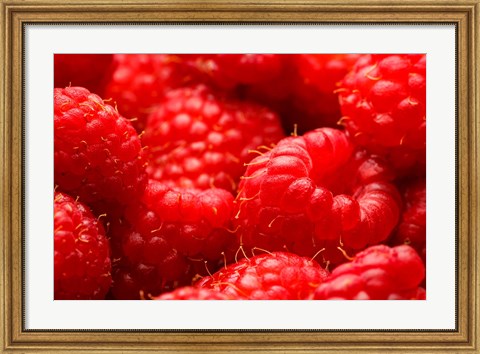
[81, 253]
[412, 228]
[197, 139]
[212, 176]
[314, 99]
[169, 237]
[383, 103]
[97, 152]
[315, 192]
[377, 273]
[275, 276]
[139, 81]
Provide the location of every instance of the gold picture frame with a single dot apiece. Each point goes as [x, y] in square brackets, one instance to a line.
[464, 14]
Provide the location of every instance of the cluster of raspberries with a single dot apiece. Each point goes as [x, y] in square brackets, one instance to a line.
[240, 176]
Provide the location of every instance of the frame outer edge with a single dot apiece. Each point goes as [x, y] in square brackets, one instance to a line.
[9, 128]
[3, 153]
[475, 179]
[5, 130]
[470, 171]
[234, 5]
[462, 179]
[17, 212]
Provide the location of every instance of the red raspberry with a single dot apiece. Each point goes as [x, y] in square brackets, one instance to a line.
[81, 253]
[196, 139]
[166, 240]
[140, 80]
[192, 293]
[228, 71]
[262, 78]
[383, 105]
[412, 228]
[86, 70]
[377, 273]
[313, 192]
[324, 71]
[276, 93]
[315, 103]
[98, 155]
[273, 276]
[137, 281]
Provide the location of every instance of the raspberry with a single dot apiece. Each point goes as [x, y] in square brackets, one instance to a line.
[165, 240]
[377, 273]
[85, 70]
[228, 71]
[276, 93]
[196, 139]
[98, 155]
[383, 105]
[140, 80]
[412, 227]
[324, 71]
[81, 253]
[314, 101]
[138, 281]
[314, 192]
[192, 293]
[272, 276]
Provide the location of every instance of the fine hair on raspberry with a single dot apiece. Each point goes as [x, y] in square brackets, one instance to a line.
[267, 276]
[98, 154]
[82, 265]
[199, 139]
[315, 192]
[168, 238]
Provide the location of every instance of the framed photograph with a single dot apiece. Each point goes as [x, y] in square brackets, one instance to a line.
[276, 154]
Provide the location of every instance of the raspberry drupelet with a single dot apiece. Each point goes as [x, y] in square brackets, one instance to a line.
[412, 228]
[81, 252]
[315, 192]
[377, 273]
[270, 276]
[314, 101]
[97, 152]
[197, 139]
[383, 103]
[168, 238]
[139, 81]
